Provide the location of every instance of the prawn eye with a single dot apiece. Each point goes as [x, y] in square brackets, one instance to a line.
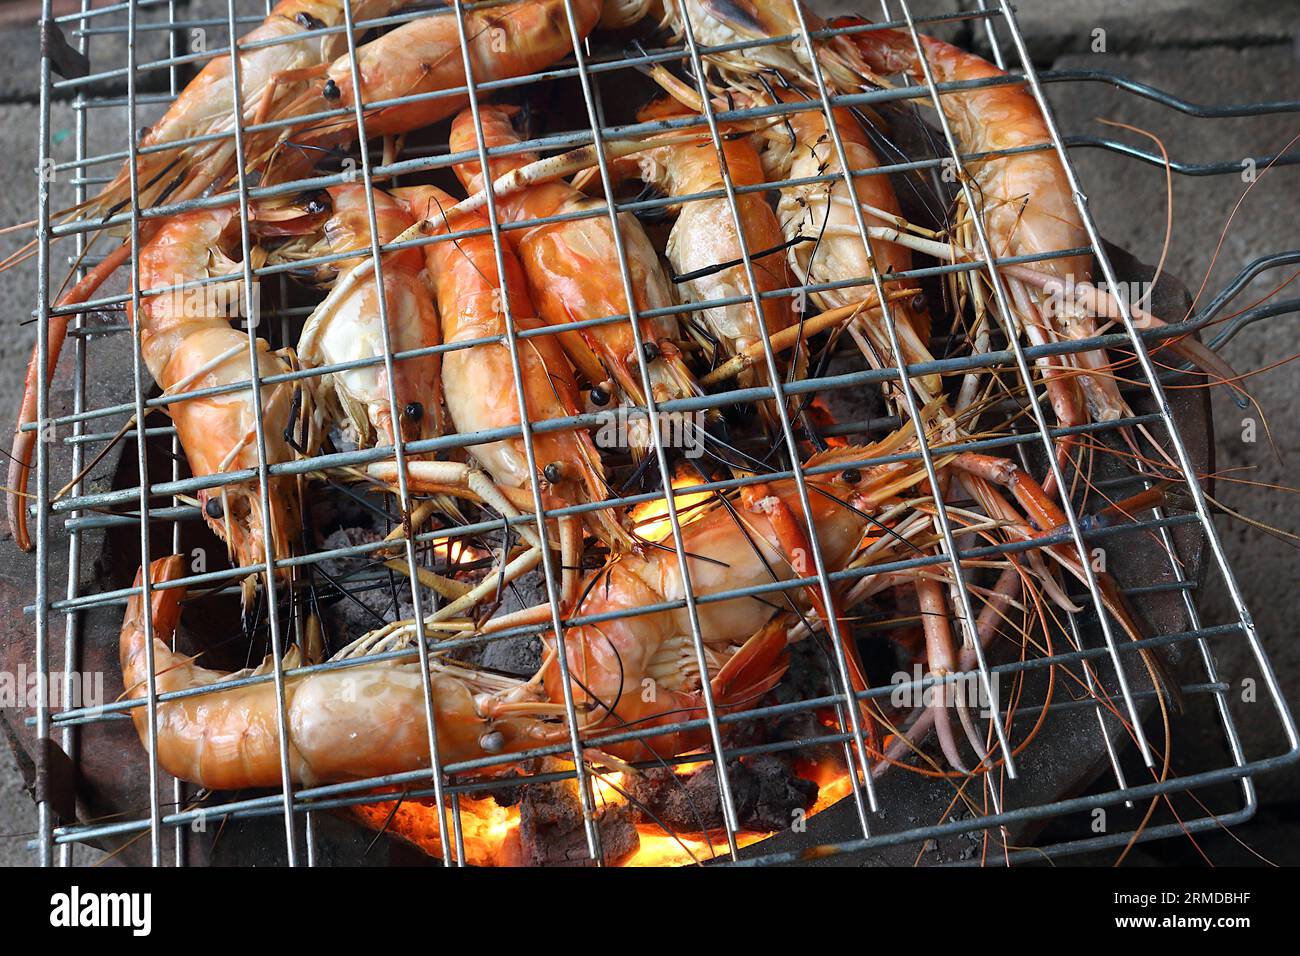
[599, 397]
[919, 302]
[414, 411]
[212, 508]
[851, 476]
[308, 22]
[554, 472]
[330, 90]
[651, 350]
[316, 202]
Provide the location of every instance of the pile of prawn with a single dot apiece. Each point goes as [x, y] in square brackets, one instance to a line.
[513, 310]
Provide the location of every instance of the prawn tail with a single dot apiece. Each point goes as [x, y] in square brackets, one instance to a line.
[754, 669]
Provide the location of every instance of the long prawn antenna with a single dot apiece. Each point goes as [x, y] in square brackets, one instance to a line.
[772, 95]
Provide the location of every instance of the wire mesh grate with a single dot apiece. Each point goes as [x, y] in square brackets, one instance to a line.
[151, 500]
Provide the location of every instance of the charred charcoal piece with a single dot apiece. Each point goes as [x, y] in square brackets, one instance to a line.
[551, 831]
[765, 789]
[779, 793]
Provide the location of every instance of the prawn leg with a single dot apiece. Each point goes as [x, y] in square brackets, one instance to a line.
[1047, 518]
[1007, 589]
[797, 550]
[456, 478]
[284, 78]
[941, 658]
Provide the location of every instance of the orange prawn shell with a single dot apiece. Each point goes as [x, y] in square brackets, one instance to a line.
[184, 250]
[1028, 202]
[622, 670]
[424, 56]
[479, 382]
[572, 266]
[182, 333]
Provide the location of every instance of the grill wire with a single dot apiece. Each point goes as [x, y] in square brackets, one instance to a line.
[83, 510]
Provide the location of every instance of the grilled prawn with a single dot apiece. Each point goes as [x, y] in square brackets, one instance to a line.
[205, 109]
[762, 539]
[722, 23]
[478, 379]
[1026, 204]
[820, 226]
[705, 248]
[424, 56]
[826, 247]
[188, 343]
[629, 670]
[573, 269]
[347, 326]
[343, 724]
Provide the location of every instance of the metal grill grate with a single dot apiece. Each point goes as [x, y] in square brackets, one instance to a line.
[62, 521]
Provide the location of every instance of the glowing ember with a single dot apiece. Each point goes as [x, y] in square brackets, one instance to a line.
[487, 828]
[608, 789]
[459, 553]
[651, 518]
[491, 832]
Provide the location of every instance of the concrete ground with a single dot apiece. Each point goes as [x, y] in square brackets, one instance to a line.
[1204, 51]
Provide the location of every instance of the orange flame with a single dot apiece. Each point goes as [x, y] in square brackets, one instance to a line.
[491, 832]
[650, 519]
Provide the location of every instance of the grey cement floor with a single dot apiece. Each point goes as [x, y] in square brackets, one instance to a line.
[1202, 50]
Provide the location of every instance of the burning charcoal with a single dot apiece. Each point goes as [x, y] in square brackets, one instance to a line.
[765, 789]
[506, 795]
[551, 831]
[806, 679]
[690, 803]
[528, 590]
[851, 405]
[329, 512]
[347, 537]
[346, 618]
[779, 793]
